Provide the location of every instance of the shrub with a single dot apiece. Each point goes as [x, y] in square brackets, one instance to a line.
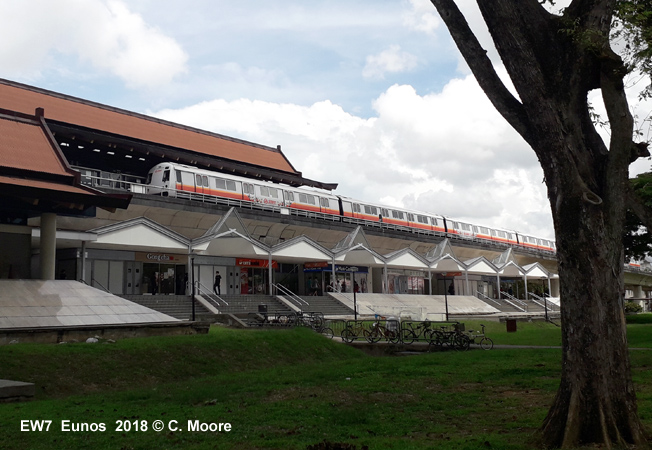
[633, 308]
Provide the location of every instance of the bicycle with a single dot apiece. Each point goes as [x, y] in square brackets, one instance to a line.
[411, 333]
[378, 332]
[351, 333]
[485, 343]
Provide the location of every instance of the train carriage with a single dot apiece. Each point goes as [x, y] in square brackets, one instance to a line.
[178, 180]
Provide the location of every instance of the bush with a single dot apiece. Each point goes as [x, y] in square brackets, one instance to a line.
[633, 308]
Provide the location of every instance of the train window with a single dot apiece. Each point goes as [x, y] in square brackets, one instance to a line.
[434, 221]
[501, 234]
[456, 225]
[384, 212]
[178, 175]
[466, 227]
[484, 230]
[220, 183]
[311, 199]
[397, 214]
[198, 180]
[370, 210]
[289, 196]
[205, 180]
[230, 185]
[356, 208]
[166, 175]
[273, 192]
[248, 189]
[264, 191]
[324, 202]
[422, 219]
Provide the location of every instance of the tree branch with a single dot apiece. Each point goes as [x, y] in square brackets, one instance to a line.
[483, 70]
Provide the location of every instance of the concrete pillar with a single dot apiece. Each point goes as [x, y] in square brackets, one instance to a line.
[48, 245]
[554, 287]
[82, 274]
[525, 283]
[466, 278]
[429, 282]
[270, 273]
[386, 280]
[498, 286]
[638, 291]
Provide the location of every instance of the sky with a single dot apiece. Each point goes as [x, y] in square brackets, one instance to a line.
[373, 96]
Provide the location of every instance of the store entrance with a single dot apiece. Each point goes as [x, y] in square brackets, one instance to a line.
[254, 281]
[164, 279]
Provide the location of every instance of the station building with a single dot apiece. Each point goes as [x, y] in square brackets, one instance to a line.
[74, 205]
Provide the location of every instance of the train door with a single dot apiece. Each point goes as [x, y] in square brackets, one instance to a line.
[201, 184]
[248, 192]
[346, 208]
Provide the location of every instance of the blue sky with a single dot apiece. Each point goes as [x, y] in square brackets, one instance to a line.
[371, 95]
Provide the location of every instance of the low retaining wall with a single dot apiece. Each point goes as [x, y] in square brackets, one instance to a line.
[53, 335]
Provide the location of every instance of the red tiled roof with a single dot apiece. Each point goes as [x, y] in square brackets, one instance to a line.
[38, 184]
[24, 146]
[26, 99]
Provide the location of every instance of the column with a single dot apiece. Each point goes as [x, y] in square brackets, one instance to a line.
[48, 245]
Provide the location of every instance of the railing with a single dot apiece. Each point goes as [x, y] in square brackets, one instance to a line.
[481, 296]
[94, 281]
[204, 291]
[288, 293]
[542, 302]
[509, 298]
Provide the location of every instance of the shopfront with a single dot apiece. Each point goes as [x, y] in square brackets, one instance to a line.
[320, 274]
[162, 273]
[254, 275]
[405, 282]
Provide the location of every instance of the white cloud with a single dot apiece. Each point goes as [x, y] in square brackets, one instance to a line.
[102, 33]
[448, 153]
[422, 16]
[392, 60]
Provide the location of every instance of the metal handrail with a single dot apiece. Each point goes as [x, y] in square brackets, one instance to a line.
[538, 300]
[209, 293]
[481, 296]
[288, 293]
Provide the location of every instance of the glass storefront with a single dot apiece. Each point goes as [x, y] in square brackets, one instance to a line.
[321, 275]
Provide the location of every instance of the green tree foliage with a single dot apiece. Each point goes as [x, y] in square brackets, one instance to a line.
[638, 240]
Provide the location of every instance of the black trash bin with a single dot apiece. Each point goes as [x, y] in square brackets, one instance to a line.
[262, 309]
[511, 325]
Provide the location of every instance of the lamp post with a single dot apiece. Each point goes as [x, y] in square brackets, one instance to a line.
[445, 295]
[353, 270]
[192, 300]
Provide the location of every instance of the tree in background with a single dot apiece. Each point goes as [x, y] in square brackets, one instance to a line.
[554, 61]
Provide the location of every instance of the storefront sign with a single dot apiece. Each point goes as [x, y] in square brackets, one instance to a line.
[327, 267]
[258, 263]
[163, 258]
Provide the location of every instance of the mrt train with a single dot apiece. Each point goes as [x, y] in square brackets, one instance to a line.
[178, 180]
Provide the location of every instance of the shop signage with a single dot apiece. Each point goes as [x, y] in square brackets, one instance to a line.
[260, 263]
[449, 274]
[163, 258]
[327, 267]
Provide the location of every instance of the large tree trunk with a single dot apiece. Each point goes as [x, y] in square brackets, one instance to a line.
[596, 402]
[554, 63]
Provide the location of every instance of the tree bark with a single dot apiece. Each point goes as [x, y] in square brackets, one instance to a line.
[553, 63]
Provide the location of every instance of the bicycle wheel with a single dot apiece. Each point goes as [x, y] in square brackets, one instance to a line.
[486, 343]
[462, 342]
[392, 336]
[316, 323]
[347, 335]
[372, 336]
[408, 337]
[327, 332]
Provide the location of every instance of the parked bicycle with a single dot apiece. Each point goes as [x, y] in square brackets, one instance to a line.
[423, 331]
[478, 337]
[354, 331]
[455, 338]
[378, 332]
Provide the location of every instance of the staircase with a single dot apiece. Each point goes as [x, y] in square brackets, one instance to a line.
[327, 305]
[177, 306]
[242, 304]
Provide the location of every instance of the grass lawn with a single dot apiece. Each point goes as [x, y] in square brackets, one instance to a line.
[290, 389]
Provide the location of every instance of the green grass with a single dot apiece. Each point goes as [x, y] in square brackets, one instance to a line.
[288, 389]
